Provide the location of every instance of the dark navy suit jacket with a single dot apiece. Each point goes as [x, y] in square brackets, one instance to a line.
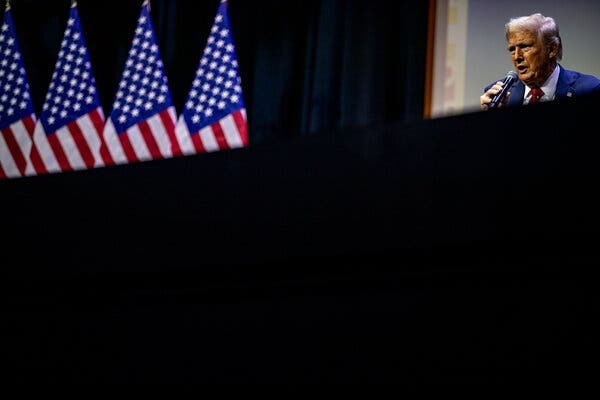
[570, 84]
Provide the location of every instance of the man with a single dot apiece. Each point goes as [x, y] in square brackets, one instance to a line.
[535, 48]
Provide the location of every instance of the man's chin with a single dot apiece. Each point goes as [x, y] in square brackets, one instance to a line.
[527, 79]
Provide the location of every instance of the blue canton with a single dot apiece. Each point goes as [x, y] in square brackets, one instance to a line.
[72, 92]
[15, 101]
[143, 91]
[216, 90]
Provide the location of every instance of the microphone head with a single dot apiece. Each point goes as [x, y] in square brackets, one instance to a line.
[512, 75]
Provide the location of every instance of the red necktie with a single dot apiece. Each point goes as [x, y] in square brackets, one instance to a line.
[536, 95]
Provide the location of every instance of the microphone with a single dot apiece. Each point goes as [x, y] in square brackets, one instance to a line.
[511, 78]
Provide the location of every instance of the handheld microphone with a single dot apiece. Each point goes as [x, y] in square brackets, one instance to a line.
[511, 78]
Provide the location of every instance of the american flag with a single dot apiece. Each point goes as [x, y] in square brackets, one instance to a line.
[141, 125]
[68, 135]
[17, 117]
[214, 116]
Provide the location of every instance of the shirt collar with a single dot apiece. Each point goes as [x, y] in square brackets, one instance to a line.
[549, 87]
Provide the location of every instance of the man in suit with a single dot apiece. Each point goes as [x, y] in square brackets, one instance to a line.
[535, 48]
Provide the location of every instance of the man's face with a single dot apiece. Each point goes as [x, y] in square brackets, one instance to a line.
[531, 60]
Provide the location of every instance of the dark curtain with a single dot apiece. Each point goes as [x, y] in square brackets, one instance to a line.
[306, 66]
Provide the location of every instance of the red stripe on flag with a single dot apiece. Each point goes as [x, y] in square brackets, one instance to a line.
[198, 143]
[34, 155]
[169, 125]
[81, 143]
[127, 147]
[98, 123]
[29, 125]
[149, 139]
[15, 150]
[59, 153]
[36, 160]
[219, 136]
[242, 126]
[2, 174]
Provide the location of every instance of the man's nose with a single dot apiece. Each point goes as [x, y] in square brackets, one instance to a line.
[517, 54]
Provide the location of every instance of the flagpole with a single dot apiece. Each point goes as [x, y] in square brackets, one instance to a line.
[7, 5]
[73, 3]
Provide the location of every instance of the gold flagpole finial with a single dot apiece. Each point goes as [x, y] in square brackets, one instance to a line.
[7, 4]
[73, 3]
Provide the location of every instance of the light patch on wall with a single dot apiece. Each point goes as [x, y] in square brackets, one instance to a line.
[449, 57]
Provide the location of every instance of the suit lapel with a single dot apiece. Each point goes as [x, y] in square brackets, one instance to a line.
[517, 92]
[564, 86]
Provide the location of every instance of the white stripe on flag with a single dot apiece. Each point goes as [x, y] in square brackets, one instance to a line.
[111, 139]
[6, 158]
[23, 137]
[231, 133]
[172, 114]
[92, 137]
[160, 135]
[65, 138]
[208, 139]
[183, 136]
[43, 146]
[138, 143]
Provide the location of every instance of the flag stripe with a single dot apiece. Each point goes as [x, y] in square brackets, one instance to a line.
[219, 136]
[230, 132]
[127, 147]
[149, 139]
[57, 154]
[36, 164]
[42, 145]
[168, 121]
[85, 155]
[97, 119]
[11, 155]
[91, 129]
[23, 130]
[160, 136]
[68, 144]
[209, 142]
[184, 138]
[242, 125]
[113, 143]
[198, 145]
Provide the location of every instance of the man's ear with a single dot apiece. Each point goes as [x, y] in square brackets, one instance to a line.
[553, 51]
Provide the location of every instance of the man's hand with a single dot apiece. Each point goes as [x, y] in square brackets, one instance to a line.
[488, 96]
